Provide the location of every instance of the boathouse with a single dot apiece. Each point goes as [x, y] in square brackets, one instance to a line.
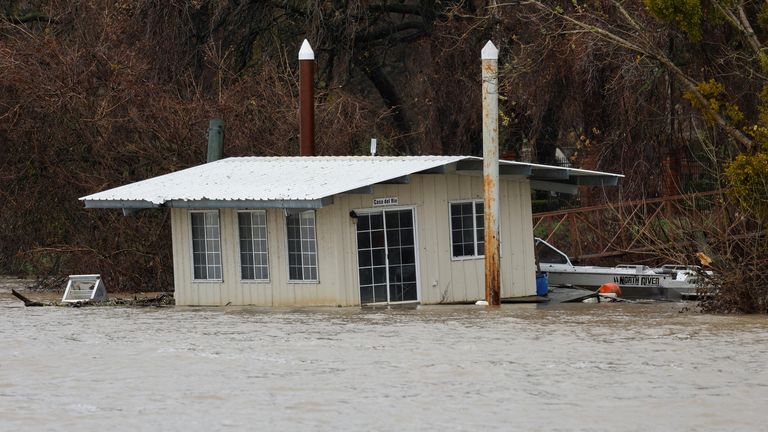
[296, 231]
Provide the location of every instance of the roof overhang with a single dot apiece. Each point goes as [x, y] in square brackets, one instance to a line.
[211, 204]
[544, 177]
[312, 182]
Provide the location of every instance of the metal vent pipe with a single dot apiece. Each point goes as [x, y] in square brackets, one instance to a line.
[306, 100]
[215, 140]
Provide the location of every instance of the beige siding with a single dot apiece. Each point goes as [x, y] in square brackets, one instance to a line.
[441, 278]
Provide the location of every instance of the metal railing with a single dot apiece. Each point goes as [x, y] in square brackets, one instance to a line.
[597, 232]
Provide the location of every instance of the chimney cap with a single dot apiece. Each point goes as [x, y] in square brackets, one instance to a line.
[306, 53]
[489, 52]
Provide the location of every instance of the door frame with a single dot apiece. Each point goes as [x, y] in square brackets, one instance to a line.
[371, 210]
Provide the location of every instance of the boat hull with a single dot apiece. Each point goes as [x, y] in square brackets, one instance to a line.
[633, 286]
[669, 282]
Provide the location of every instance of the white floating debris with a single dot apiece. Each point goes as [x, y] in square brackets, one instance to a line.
[83, 288]
[481, 303]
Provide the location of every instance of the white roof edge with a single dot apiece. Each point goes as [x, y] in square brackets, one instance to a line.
[570, 170]
[294, 179]
[96, 200]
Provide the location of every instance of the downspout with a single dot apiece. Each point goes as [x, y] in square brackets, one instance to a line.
[490, 55]
[306, 100]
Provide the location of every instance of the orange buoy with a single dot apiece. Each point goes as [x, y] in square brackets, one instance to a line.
[610, 288]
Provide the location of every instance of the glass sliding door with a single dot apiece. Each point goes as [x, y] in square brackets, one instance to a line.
[387, 257]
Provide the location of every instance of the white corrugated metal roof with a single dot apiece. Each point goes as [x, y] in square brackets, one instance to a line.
[277, 180]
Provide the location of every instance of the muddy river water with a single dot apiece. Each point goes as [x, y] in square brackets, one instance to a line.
[584, 367]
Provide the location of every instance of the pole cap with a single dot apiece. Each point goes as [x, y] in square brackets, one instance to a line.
[489, 52]
[306, 53]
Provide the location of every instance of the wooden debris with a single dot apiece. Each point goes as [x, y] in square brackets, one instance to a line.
[162, 299]
[27, 302]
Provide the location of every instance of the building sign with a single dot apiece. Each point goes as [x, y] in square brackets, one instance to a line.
[388, 201]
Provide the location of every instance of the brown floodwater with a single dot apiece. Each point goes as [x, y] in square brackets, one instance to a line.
[578, 367]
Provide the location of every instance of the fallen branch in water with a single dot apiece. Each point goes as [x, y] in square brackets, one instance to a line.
[27, 302]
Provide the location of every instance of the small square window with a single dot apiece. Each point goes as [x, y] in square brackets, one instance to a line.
[467, 232]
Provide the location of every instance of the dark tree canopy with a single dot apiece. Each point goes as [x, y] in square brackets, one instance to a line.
[99, 93]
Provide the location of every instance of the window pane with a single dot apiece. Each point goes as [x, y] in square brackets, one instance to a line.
[366, 294]
[293, 273]
[364, 258]
[395, 274]
[377, 222]
[393, 237]
[379, 275]
[378, 256]
[409, 291]
[479, 208]
[466, 228]
[366, 276]
[466, 221]
[406, 237]
[457, 236]
[302, 247]
[377, 239]
[380, 293]
[394, 256]
[363, 222]
[199, 272]
[406, 219]
[253, 245]
[393, 219]
[206, 245]
[364, 240]
[198, 219]
[408, 256]
[395, 292]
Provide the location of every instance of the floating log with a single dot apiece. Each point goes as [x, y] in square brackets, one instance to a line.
[27, 302]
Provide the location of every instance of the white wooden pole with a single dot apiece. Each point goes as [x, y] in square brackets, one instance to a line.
[490, 55]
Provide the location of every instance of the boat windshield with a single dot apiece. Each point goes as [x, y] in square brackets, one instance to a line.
[545, 253]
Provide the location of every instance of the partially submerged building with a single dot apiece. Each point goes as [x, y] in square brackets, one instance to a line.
[288, 231]
[308, 230]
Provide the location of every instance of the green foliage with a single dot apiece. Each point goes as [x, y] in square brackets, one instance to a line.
[747, 174]
[762, 17]
[686, 14]
[540, 205]
[748, 180]
[717, 102]
[762, 107]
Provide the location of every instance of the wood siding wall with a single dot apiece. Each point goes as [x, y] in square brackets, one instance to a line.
[441, 278]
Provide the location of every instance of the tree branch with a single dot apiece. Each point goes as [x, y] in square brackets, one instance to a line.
[32, 17]
[740, 23]
[381, 33]
[649, 50]
[397, 8]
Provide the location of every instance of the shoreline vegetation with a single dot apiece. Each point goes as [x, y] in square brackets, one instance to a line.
[103, 93]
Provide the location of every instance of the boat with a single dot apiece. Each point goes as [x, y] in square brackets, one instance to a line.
[668, 282]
